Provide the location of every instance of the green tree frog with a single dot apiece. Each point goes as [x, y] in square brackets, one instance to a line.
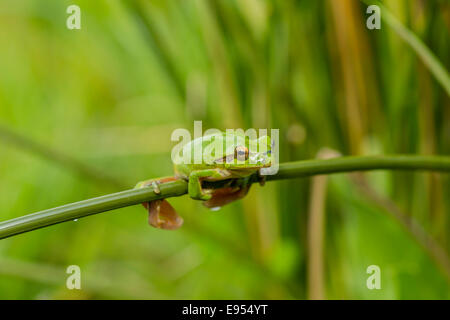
[224, 156]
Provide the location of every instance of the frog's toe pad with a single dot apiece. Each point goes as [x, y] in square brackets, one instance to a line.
[162, 215]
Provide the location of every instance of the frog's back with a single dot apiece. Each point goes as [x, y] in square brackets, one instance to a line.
[185, 167]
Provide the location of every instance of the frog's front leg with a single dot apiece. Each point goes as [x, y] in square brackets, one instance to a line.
[196, 177]
[160, 213]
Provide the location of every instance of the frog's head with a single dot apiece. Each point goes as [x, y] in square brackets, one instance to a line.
[245, 153]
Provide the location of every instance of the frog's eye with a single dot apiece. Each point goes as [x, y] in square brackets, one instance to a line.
[241, 153]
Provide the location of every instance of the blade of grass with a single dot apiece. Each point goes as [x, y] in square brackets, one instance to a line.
[431, 246]
[150, 32]
[429, 59]
[316, 232]
[64, 160]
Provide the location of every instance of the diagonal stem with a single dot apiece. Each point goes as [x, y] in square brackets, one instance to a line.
[177, 188]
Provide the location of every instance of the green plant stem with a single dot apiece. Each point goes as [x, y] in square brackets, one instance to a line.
[177, 188]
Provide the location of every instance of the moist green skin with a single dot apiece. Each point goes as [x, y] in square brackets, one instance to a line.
[216, 165]
[223, 157]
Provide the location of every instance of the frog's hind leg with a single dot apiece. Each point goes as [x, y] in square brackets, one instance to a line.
[223, 196]
[160, 213]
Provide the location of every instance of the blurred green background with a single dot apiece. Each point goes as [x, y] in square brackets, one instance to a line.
[89, 112]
